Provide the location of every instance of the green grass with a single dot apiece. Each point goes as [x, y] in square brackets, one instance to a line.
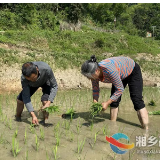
[70, 49]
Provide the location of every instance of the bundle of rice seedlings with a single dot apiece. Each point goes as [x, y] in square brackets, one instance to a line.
[154, 113]
[52, 109]
[69, 113]
[95, 109]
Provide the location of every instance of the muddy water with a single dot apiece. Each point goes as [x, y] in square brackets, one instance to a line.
[70, 137]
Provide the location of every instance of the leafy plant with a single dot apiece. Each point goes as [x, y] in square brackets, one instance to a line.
[52, 109]
[96, 108]
[154, 113]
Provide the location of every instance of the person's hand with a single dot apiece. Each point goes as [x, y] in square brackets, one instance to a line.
[95, 101]
[104, 106]
[46, 105]
[35, 120]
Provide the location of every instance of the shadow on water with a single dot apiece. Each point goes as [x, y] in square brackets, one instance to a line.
[100, 118]
[26, 115]
[85, 115]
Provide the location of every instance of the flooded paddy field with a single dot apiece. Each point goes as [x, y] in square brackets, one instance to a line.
[79, 138]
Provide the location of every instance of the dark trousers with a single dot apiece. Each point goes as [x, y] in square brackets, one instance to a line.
[45, 89]
[135, 84]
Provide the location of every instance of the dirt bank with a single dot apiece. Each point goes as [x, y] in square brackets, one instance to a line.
[66, 79]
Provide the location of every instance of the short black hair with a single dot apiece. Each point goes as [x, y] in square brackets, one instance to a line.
[28, 68]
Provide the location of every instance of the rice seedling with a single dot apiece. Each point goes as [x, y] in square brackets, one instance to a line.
[57, 136]
[69, 113]
[80, 145]
[15, 147]
[47, 157]
[79, 158]
[95, 109]
[104, 129]
[2, 140]
[77, 127]
[67, 125]
[56, 128]
[10, 123]
[154, 113]
[55, 152]
[5, 120]
[26, 155]
[32, 129]
[114, 156]
[121, 129]
[25, 136]
[16, 133]
[37, 143]
[52, 109]
[91, 125]
[41, 133]
[2, 118]
[157, 133]
[131, 154]
[71, 136]
[95, 139]
[1, 110]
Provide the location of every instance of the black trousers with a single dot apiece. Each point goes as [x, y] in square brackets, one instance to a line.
[135, 84]
[45, 89]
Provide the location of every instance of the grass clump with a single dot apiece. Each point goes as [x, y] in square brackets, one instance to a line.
[96, 108]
